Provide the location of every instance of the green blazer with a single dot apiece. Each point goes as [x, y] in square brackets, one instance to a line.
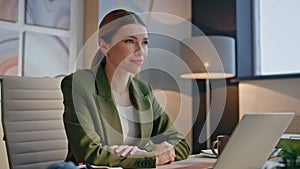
[92, 122]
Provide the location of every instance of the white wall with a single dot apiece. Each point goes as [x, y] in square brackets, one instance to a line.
[277, 95]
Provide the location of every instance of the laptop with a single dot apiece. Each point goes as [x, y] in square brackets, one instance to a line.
[252, 141]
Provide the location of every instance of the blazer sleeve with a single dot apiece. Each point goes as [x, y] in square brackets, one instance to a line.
[164, 130]
[88, 147]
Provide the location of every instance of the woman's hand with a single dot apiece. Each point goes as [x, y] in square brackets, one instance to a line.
[165, 153]
[124, 150]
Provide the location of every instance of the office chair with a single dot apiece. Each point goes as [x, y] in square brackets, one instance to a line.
[32, 109]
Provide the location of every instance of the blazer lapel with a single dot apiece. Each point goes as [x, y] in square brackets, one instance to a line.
[111, 120]
[142, 103]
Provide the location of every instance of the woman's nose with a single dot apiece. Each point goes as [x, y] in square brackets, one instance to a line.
[140, 50]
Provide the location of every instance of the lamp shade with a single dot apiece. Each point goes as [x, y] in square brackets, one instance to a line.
[209, 57]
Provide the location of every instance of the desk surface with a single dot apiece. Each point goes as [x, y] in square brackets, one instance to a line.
[196, 162]
[192, 162]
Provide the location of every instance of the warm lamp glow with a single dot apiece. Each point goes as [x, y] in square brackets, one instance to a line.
[207, 76]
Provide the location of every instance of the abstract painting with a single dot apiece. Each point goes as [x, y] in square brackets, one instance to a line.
[45, 55]
[9, 47]
[48, 13]
[9, 10]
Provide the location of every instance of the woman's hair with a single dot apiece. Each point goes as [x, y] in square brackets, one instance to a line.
[114, 20]
[110, 24]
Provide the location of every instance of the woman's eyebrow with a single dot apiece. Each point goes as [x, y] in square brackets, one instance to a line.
[145, 38]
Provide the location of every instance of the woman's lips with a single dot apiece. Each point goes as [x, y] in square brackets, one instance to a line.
[138, 62]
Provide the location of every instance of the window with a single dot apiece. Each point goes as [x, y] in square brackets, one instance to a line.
[40, 37]
[277, 37]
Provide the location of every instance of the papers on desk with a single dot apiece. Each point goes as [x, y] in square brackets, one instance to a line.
[291, 136]
[84, 166]
[272, 164]
[207, 153]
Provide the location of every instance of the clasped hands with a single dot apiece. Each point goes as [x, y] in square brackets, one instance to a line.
[164, 152]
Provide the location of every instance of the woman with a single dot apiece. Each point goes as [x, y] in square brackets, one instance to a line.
[112, 118]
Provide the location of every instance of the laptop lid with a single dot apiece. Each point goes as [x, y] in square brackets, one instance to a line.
[253, 140]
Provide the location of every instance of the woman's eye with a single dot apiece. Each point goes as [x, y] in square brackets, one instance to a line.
[129, 41]
[145, 42]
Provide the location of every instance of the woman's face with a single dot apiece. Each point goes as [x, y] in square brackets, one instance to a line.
[128, 48]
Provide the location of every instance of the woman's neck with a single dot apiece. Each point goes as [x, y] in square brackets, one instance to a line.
[118, 78]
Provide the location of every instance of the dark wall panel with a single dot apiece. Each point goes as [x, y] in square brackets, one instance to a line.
[244, 38]
[214, 17]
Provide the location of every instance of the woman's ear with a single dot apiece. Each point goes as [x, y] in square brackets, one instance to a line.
[104, 47]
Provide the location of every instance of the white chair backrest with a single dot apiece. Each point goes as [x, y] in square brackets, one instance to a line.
[32, 109]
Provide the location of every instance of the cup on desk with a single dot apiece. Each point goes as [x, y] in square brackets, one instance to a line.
[219, 144]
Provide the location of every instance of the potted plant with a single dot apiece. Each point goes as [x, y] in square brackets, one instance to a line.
[290, 155]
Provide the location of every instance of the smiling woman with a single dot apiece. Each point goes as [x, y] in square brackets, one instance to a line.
[111, 117]
[127, 50]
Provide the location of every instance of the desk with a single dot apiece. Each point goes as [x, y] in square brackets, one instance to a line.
[190, 163]
[196, 162]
